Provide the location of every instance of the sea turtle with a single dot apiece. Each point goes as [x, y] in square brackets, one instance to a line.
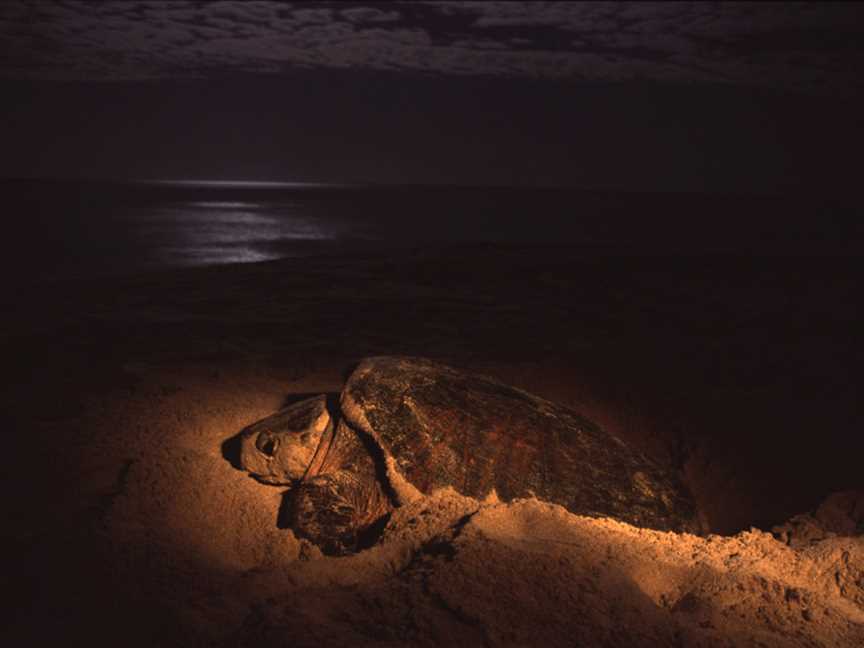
[408, 426]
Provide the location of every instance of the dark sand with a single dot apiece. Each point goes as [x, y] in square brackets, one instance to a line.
[125, 524]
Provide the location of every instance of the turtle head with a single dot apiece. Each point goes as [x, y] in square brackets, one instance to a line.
[280, 448]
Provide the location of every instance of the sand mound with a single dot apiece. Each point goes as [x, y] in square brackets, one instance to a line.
[529, 573]
[841, 514]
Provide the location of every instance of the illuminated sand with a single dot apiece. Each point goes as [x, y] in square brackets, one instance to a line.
[189, 548]
[128, 525]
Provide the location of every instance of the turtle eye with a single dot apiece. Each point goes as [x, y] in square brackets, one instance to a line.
[267, 444]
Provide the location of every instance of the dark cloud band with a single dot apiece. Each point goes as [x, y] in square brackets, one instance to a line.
[800, 45]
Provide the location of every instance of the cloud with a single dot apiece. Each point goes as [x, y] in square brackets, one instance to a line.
[792, 45]
[369, 15]
[312, 16]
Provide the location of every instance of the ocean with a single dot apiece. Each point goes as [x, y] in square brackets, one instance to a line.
[62, 229]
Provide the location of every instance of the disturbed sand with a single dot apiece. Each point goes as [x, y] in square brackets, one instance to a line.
[128, 524]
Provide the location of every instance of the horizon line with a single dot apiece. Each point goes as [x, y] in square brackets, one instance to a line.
[314, 184]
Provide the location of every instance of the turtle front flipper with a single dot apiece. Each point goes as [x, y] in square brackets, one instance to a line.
[325, 511]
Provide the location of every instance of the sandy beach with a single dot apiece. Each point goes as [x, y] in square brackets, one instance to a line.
[126, 522]
[414, 324]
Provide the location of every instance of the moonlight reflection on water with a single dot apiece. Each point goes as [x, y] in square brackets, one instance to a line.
[216, 232]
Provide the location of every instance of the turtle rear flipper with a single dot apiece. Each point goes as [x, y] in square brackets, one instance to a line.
[324, 511]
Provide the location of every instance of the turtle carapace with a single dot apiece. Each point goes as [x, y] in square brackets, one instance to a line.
[408, 426]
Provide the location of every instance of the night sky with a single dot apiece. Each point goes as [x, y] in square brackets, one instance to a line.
[697, 96]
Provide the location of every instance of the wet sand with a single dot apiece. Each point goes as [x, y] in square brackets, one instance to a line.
[126, 522]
